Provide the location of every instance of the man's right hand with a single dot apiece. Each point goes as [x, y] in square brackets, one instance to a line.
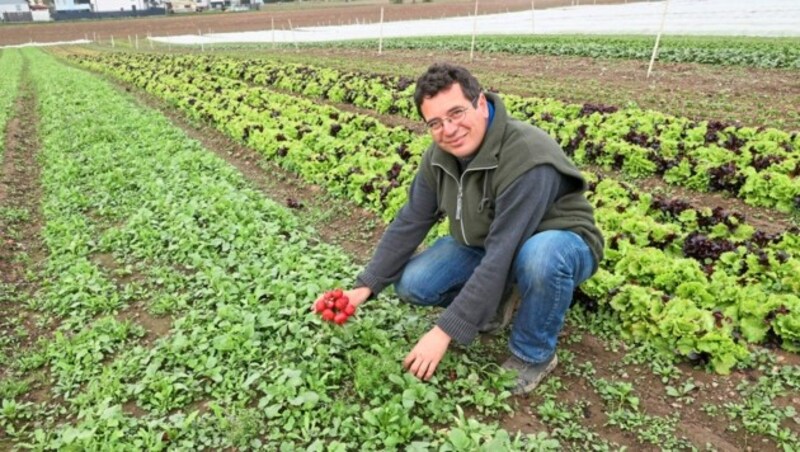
[358, 295]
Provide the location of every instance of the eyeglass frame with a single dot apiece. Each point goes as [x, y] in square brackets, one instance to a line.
[454, 116]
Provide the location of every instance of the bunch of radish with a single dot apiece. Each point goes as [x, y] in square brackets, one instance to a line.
[334, 306]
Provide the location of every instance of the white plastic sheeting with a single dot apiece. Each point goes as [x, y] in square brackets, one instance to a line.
[684, 17]
[45, 44]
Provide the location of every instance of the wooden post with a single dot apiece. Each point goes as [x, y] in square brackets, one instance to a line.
[112, 41]
[533, 21]
[474, 31]
[658, 39]
[380, 34]
[273, 32]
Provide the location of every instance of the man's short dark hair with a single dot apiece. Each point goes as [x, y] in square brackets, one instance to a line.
[441, 76]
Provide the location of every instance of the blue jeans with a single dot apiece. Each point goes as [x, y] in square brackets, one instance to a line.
[548, 268]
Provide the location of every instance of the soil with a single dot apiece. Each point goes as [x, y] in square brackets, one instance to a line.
[21, 247]
[136, 312]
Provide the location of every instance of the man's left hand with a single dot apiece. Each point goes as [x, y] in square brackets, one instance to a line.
[425, 356]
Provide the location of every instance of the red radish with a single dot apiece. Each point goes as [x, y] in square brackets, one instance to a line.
[328, 315]
[334, 306]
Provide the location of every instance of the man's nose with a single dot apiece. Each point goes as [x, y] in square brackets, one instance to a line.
[449, 126]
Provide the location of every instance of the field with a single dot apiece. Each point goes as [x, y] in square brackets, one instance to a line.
[168, 216]
[301, 14]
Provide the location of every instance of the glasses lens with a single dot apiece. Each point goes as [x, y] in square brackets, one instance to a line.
[454, 117]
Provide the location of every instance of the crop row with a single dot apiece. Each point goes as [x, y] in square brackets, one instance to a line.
[759, 165]
[10, 71]
[351, 154]
[723, 51]
[139, 219]
[354, 155]
[659, 249]
[672, 271]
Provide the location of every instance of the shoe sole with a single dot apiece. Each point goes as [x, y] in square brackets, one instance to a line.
[532, 385]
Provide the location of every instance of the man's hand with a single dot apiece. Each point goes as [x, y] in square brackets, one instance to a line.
[425, 356]
[356, 296]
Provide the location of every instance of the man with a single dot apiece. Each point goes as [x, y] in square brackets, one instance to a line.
[517, 216]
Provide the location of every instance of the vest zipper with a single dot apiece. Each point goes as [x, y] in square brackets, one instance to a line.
[458, 202]
[460, 183]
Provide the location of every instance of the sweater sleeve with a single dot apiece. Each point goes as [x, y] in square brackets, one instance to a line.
[402, 237]
[518, 211]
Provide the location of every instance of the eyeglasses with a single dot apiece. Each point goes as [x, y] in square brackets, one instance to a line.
[456, 115]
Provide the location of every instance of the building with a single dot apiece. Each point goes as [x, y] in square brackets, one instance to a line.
[15, 11]
[100, 6]
[14, 6]
[72, 5]
[40, 12]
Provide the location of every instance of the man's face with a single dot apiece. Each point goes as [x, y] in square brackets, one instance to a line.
[459, 124]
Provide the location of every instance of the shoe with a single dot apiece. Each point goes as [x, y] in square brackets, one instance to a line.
[529, 375]
[504, 314]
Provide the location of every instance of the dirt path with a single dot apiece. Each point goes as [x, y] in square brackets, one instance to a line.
[21, 247]
[20, 193]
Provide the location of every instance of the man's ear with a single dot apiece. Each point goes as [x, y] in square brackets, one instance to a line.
[483, 105]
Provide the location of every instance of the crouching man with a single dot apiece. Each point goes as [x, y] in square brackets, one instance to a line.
[518, 216]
